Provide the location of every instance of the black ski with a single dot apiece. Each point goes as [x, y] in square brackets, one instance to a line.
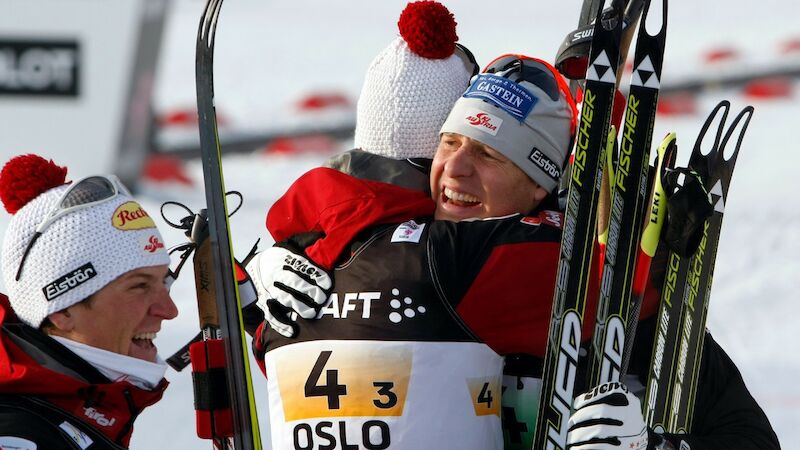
[237, 368]
[675, 364]
[715, 169]
[661, 372]
[577, 243]
[628, 206]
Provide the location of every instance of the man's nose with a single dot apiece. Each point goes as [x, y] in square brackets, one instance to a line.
[460, 163]
[164, 307]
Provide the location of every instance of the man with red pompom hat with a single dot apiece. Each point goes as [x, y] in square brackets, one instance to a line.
[85, 267]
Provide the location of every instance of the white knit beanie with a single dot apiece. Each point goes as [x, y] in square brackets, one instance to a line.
[78, 253]
[412, 84]
[529, 126]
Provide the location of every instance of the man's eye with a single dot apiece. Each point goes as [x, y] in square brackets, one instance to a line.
[483, 153]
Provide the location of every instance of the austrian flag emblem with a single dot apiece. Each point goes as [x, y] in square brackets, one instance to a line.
[484, 121]
[153, 244]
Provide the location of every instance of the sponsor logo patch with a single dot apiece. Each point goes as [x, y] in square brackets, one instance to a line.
[546, 164]
[76, 435]
[41, 68]
[488, 123]
[16, 443]
[153, 244]
[131, 216]
[408, 232]
[529, 220]
[70, 281]
[503, 93]
[99, 417]
[368, 305]
[553, 218]
[403, 307]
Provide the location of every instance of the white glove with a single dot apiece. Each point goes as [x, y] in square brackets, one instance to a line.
[288, 284]
[605, 418]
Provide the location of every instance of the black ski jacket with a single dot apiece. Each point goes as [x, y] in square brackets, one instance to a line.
[482, 287]
[726, 414]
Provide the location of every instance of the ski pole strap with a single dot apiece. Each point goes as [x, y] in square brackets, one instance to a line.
[211, 398]
[687, 210]
[181, 359]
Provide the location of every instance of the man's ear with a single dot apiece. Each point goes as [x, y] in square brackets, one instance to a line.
[539, 194]
[62, 321]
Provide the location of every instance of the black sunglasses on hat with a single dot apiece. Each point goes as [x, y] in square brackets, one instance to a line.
[537, 72]
[82, 194]
[523, 68]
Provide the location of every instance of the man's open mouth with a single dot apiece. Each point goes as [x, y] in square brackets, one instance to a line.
[144, 340]
[459, 198]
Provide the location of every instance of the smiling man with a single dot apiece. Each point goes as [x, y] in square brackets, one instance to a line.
[470, 180]
[405, 349]
[85, 268]
[409, 351]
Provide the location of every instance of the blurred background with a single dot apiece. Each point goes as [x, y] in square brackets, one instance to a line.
[109, 87]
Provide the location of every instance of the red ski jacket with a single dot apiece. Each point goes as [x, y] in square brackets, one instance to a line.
[43, 386]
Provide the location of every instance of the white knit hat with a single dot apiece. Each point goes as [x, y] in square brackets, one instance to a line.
[521, 107]
[411, 85]
[78, 253]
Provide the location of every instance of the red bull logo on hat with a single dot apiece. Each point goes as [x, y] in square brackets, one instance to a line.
[131, 216]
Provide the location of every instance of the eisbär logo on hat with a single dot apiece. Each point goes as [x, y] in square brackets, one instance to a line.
[545, 163]
[69, 281]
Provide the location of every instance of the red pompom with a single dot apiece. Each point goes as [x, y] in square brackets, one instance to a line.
[429, 29]
[24, 177]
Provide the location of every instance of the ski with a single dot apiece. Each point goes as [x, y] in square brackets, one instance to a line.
[675, 362]
[577, 243]
[627, 207]
[221, 276]
[716, 170]
[661, 370]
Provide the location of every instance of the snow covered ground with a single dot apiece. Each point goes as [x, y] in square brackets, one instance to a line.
[271, 53]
